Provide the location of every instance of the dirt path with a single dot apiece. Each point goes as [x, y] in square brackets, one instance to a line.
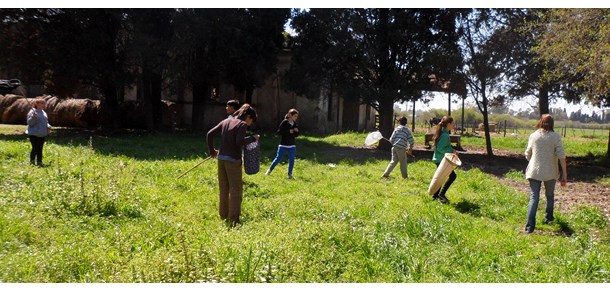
[583, 174]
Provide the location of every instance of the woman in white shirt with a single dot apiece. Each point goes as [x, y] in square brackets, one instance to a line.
[544, 150]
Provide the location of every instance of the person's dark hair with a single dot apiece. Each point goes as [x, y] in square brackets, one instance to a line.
[402, 120]
[439, 128]
[244, 111]
[234, 103]
[546, 123]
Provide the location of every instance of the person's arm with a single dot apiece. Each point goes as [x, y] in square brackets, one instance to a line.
[284, 128]
[210, 139]
[564, 171]
[410, 139]
[560, 152]
[528, 150]
[393, 138]
[295, 130]
[411, 142]
[32, 117]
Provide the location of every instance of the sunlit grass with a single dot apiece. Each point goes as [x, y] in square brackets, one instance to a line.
[111, 209]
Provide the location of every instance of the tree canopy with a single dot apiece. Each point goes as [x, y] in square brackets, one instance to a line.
[375, 56]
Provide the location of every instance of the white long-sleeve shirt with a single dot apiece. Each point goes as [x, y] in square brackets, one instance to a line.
[544, 149]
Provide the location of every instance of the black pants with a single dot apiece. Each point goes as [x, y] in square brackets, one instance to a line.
[443, 190]
[36, 154]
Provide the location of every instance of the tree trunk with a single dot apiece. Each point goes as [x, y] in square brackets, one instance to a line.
[490, 152]
[386, 114]
[110, 108]
[608, 151]
[543, 99]
[147, 100]
[462, 128]
[249, 92]
[155, 88]
[413, 118]
[199, 103]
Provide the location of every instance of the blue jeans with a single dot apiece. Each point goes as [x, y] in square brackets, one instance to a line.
[549, 191]
[292, 151]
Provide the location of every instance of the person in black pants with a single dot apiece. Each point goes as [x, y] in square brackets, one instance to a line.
[38, 129]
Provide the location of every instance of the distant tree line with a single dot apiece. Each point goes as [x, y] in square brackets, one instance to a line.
[106, 50]
[377, 56]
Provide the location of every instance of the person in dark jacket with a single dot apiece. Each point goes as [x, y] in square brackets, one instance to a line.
[233, 138]
[288, 130]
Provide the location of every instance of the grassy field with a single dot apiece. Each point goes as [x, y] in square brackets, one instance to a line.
[110, 209]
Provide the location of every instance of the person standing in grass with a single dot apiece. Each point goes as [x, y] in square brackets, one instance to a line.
[38, 129]
[288, 130]
[230, 177]
[402, 145]
[442, 146]
[544, 151]
[232, 107]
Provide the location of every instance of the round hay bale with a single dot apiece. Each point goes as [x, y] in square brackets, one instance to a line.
[5, 102]
[17, 112]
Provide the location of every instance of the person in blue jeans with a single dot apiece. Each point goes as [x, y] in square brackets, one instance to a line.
[544, 150]
[288, 130]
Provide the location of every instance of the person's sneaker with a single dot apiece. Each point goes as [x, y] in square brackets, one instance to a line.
[547, 221]
[443, 198]
[435, 197]
[268, 172]
[290, 177]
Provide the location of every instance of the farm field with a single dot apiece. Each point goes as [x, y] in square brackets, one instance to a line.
[109, 209]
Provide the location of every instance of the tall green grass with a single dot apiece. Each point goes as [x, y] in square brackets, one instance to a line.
[110, 209]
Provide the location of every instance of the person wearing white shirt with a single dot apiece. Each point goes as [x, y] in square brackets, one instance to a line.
[544, 151]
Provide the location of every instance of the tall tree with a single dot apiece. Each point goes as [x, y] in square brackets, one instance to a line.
[577, 41]
[526, 73]
[22, 54]
[484, 66]
[231, 46]
[256, 40]
[196, 54]
[151, 32]
[377, 56]
[88, 47]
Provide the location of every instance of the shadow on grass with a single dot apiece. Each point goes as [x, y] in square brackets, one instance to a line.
[467, 207]
[564, 228]
[183, 144]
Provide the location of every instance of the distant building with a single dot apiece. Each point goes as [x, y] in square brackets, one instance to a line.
[272, 102]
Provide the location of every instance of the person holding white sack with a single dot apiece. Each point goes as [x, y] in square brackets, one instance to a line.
[402, 145]
[442, 146]
[544, 150]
